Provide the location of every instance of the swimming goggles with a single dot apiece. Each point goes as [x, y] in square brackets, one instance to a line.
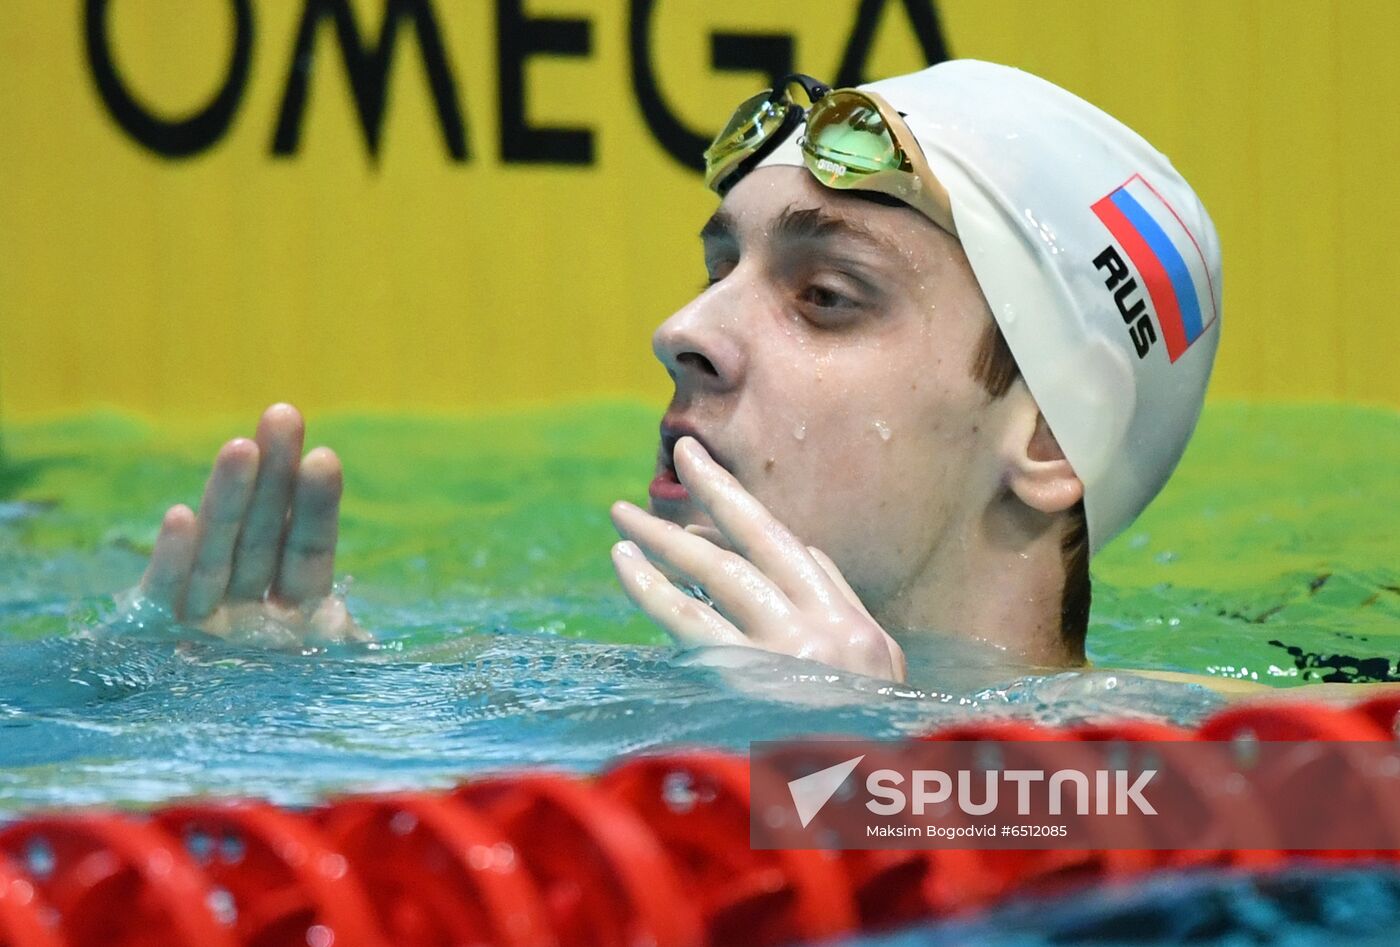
[855, 140]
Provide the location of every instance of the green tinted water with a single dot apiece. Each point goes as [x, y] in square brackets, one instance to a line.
[479, 553]
[1281, 525]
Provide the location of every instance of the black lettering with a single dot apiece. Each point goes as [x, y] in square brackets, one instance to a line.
[768, 53]
[180, 138]
[369, 72]
[1110, 260]
[1120, 296]
[519, 37]
[1130, 307]
[926, 30]
[1143, 336]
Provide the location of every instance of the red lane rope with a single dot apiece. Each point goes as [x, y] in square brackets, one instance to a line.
[608, 880]
[25, 920]
[438, 872]
[654, 850]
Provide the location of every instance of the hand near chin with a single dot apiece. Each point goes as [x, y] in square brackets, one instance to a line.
[257, 560]
[768, 589]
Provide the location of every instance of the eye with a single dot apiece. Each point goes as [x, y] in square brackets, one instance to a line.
[824, 297]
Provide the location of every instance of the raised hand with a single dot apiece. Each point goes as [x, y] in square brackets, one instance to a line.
[765, 588]
[261, 549]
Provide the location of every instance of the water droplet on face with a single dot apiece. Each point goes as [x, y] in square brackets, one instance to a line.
[800, 432]
[883, 429]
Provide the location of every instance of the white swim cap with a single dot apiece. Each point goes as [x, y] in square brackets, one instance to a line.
[1098, 261]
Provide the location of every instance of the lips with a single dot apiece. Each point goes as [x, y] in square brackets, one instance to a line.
[666, 487]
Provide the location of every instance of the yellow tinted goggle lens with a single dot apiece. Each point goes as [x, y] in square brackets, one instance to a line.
[751, 124]
[848, 139]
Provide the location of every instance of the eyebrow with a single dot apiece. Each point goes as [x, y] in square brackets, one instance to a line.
[801, 225]
[720, 227]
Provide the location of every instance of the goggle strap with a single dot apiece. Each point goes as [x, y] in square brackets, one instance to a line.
[815, 89]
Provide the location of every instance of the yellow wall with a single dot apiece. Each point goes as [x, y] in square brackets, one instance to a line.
[225, 280]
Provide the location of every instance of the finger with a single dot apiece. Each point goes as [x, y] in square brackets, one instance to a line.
[740, 592]
[897, 660]
[898, 664]
[279, 438]
[753, 532]
[171, 560]
[307, 566]
[711, 534]
[220, 518]
[838, 579]
[689, 621]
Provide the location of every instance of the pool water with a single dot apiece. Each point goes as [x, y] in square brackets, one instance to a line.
[1291, 907]
[478, 549]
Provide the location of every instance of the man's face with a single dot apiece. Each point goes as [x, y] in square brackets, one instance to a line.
[827, 366]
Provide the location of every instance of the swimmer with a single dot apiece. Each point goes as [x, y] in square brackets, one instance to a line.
[957, 334]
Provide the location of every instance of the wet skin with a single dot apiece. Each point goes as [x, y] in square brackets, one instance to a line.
[824, 393]
[263, 542]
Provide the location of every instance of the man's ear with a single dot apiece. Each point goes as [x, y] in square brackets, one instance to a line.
[1037, 472]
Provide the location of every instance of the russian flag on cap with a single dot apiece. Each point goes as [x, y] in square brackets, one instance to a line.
[1166, 257]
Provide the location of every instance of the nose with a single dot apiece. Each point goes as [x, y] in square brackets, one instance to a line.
[700, 345]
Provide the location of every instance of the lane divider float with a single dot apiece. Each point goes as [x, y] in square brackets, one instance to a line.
[654, 849]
